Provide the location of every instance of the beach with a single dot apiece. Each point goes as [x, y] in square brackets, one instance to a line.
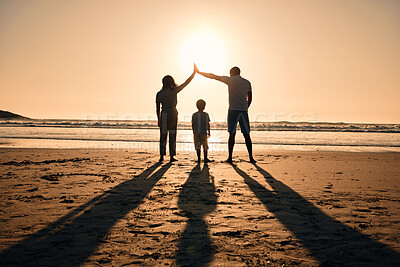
[94, 91]
[115, 207]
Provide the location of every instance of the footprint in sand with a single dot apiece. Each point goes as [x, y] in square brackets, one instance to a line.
[362, 210]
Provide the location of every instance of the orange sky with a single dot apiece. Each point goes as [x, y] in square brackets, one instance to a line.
[308, 60]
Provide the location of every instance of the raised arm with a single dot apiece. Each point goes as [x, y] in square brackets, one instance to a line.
[210, 76]
[183, 85]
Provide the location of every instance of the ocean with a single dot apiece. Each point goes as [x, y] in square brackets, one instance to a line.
[145, 134]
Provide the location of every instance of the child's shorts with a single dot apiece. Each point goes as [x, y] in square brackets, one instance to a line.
[200, 140]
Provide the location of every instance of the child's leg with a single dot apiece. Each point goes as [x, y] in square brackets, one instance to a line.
[197, 145]
[205, 148]
[198, 151]
[205, 154]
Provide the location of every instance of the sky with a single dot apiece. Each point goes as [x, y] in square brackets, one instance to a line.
[309, 60]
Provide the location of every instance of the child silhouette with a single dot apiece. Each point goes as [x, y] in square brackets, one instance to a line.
[201, 130]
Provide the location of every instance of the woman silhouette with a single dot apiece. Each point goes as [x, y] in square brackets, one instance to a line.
[167, 114]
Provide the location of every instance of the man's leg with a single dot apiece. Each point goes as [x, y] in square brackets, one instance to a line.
[232, 123]
[249, 146]
[231, 144]
[245, 127]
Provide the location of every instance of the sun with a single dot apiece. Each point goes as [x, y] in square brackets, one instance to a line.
[205, 49]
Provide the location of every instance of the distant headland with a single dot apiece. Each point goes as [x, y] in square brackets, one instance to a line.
[6, 115]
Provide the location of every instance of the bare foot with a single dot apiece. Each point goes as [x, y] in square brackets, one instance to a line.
[172, 159]
[252, 160]
[229, 160]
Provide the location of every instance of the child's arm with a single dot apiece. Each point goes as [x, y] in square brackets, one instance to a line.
[208, 126]
[193, 123]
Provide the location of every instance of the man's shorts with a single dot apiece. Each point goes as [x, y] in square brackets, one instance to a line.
[235, 116]
[200, 140]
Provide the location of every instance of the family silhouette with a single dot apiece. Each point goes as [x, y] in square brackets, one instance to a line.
[240, 98]
[73, 238]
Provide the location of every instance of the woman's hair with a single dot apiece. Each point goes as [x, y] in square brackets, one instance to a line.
[168, 82]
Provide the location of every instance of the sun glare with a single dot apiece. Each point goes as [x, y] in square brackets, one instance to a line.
[205, 49]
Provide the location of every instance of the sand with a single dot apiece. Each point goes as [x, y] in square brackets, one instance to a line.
[70, 207]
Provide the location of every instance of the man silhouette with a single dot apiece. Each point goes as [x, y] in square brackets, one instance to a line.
[240, 97]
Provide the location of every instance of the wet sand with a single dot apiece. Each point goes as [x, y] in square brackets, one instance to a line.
[70, 207]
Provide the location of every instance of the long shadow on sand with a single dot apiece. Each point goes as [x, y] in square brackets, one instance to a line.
[197, 199]
[328, 240]
[74, 237]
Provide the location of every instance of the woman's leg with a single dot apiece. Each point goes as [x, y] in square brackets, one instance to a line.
[163, 135]
[163, 144]
[172, 143]
[172, 128]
